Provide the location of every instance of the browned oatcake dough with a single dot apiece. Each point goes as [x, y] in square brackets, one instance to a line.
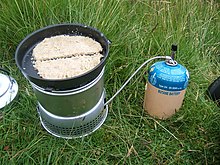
[64, 56]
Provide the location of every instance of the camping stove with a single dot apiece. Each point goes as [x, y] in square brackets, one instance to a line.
[72, 113]
[71, 107]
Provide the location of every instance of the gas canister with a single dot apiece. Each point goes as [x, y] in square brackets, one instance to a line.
[165, 89]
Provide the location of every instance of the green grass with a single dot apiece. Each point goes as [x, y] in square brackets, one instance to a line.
[138, 30]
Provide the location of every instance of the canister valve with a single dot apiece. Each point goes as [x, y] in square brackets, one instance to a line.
[172, 62]
[174, 49]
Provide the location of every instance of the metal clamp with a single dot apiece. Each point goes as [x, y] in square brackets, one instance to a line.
[8, 74]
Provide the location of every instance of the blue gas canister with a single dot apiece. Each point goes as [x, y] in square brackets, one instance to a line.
[165, 89]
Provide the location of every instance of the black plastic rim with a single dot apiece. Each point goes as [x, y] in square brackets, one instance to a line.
[23, 55]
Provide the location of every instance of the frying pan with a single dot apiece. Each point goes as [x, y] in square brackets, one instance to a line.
[23, 56]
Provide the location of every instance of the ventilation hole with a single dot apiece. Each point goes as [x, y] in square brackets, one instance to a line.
[74, 131]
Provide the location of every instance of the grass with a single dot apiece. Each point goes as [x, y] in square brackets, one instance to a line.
[138, 30]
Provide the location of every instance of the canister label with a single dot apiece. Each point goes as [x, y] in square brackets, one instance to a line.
[168, 93]
[168, 78]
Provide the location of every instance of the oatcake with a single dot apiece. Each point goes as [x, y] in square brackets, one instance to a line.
[67, 67]
[65, 46]
[63, 56]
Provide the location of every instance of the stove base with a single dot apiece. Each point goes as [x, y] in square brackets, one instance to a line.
[74, 127]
